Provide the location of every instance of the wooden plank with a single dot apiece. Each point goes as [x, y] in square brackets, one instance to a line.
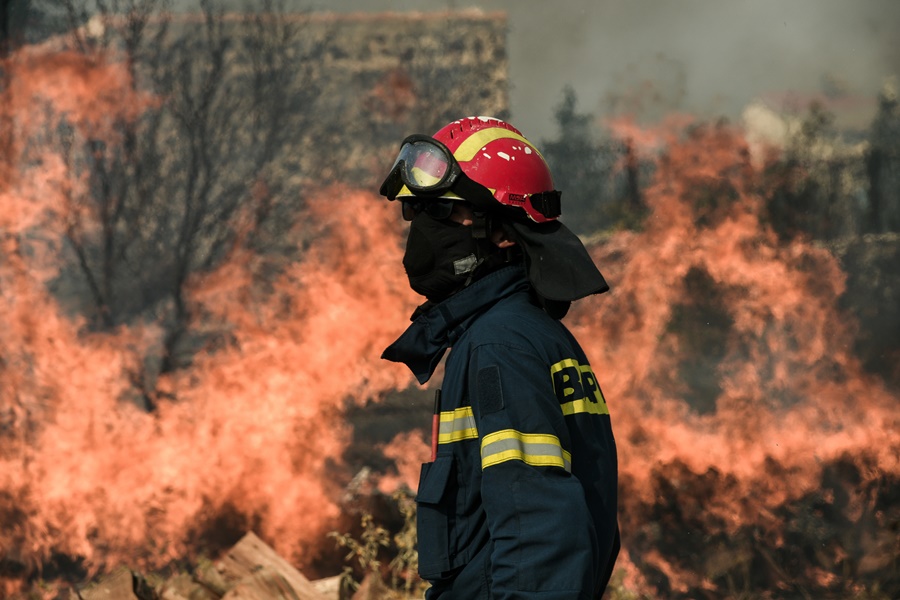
[183, 587]
[264, 584]
[118, 585]
[373, 588]
[251, 556]
[208, 574]
[330, 587]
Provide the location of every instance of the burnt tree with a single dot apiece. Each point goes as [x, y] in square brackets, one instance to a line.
[883, 163]
[173, 191]
[599, 176]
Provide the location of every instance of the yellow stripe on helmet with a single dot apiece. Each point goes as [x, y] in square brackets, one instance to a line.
[478, 140]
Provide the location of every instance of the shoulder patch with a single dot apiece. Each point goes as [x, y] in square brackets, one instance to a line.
[490, 392]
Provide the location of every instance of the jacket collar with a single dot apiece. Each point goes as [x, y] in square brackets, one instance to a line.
[436, 329]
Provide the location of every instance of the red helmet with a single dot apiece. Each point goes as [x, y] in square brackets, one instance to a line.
[491, 164]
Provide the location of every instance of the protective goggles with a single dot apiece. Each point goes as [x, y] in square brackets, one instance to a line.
[427, 168]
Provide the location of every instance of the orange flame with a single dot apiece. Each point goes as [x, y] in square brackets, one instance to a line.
[408, 450]
[792, 396]
[256, 428]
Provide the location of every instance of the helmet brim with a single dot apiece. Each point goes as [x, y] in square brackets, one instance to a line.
[558, 265]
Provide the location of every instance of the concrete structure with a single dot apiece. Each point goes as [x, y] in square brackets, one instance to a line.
[359, 83]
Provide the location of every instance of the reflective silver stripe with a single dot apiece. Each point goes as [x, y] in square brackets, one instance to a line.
[457, 425]
[537, 449]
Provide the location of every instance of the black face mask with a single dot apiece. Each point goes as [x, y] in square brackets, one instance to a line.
[441, 257]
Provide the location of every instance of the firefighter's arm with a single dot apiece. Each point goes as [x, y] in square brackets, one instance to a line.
[544, 542]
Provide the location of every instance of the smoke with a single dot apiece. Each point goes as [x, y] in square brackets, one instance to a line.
[735, 395]
[702, 57]
[706, 58]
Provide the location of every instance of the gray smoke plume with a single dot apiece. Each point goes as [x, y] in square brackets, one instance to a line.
[701, 56]
[648, 57]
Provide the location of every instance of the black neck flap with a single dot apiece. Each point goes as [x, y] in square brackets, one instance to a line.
[558, 265]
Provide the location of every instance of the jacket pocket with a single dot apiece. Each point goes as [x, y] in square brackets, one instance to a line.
[433, 517]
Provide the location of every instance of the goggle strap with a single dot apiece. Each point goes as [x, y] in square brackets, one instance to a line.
[547, 203]
[392, 184]
[476, 194]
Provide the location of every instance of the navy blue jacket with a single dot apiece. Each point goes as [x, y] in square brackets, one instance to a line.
[521, 500]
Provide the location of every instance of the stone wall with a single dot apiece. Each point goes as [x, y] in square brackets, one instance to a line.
[362, 82]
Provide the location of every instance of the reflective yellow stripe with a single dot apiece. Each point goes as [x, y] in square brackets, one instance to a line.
[457, 425]
[568, 362]
[585, 406]
[478, 140]
[536, 449]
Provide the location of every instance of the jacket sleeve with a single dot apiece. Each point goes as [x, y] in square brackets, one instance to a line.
[544, 545]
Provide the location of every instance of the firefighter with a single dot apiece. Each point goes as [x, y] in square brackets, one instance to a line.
[519, 500]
